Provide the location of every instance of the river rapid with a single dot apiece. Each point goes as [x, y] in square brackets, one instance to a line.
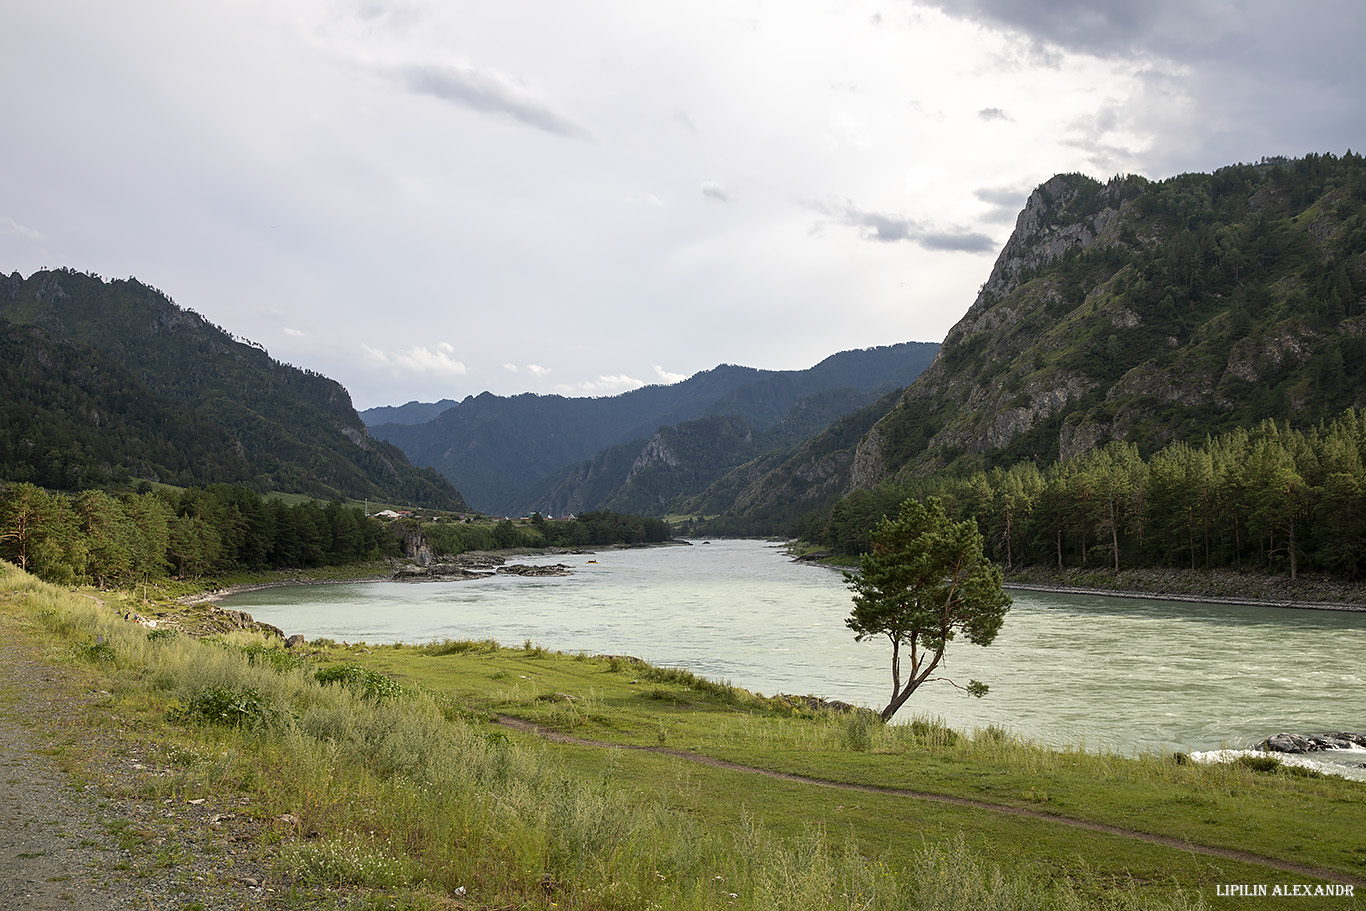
[1099, 673]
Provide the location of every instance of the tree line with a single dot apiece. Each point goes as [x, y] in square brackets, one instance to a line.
[114, 541]
[94, 538]
[589, 529]
[1269, 498]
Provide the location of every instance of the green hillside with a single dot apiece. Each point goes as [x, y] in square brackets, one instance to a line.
[201, 405]
[1149, 312]
[72, 418]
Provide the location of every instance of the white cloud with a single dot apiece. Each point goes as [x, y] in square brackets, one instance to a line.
[667, 377]
[603, 385]
[716, 191]
[12, 228]
[418, 360]
[294, 333]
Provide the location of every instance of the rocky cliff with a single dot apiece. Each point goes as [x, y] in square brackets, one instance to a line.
[1147, 311]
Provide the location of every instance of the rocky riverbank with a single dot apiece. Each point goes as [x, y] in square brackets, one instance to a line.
[1222, 586]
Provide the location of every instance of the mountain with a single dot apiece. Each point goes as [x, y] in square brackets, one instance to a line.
[661, 475]
[413, 412]
[201, 405]
[1142, 311]
[73, 418]
[501, 451]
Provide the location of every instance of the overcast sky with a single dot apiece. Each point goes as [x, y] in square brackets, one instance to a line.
[426, 200]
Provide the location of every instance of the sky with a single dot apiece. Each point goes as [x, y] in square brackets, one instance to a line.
[427, 200]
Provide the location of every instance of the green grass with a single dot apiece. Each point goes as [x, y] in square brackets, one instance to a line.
[391, 756]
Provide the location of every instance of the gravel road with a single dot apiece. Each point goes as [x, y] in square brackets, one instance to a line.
[81, 829]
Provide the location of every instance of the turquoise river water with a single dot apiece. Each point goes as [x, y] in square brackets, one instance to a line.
[1101, 673]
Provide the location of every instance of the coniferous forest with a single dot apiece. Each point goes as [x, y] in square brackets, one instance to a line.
[1270, 497]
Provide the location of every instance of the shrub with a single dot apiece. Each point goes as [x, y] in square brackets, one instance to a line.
[275, 658]
[99, 650]
[240, 708]
[360, 680]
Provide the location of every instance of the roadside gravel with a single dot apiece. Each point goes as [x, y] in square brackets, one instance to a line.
[83, 828]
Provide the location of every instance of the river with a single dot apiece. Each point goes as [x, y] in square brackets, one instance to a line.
[1100, 673]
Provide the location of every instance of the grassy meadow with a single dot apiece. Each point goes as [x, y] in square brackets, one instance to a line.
[472, 775]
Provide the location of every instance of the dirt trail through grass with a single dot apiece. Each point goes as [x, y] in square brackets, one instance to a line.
[1333, 876]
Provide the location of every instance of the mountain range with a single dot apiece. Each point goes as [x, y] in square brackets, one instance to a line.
[513, 455]
[1133, 310]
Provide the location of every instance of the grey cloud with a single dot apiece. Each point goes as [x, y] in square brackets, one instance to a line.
[1089, 25]
[488, 93]
[1005, 202]
[883, 228]
[1251, 77]
[962, 242]
[993, 114]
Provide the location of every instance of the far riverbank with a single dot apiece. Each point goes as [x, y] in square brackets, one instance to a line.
[1195, 586]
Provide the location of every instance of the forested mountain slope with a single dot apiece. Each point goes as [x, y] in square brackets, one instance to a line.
[277, 427]
[503, 452]
[71, 418]
[1148, 312]
[663, 475]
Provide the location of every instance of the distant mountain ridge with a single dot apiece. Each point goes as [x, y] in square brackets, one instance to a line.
[497, 449]
[260, 422]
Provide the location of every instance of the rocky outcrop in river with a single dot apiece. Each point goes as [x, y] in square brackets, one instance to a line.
[1298, 743]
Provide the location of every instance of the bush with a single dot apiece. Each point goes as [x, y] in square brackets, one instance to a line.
[275, 658]
[239, 708]
[360, 680]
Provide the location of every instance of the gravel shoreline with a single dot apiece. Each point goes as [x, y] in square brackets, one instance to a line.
[1191, 598]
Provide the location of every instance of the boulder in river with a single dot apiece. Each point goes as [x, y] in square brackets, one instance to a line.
[1298, 743]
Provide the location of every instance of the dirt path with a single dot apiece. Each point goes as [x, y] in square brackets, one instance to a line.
[79, 828]
[1332, 876]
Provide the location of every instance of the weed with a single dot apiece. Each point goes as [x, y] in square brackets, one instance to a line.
[236, 708]
[350, 863]
[858, 731]
[276, 659]
[458, 647]
[361, 680]
[99, 650]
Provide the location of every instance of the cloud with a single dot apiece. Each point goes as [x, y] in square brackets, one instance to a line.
[990, 114]
[489, 93]
[958, 242]
[1092, 26]
[713, 190]
[884, 228]
[417, 360]
[1005, 202]
[669, 378]
[603, 385]
[294, 333]
[538, 369]
[11, 228]
[1218, 80]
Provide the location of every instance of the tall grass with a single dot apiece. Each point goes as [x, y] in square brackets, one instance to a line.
[402, 796]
